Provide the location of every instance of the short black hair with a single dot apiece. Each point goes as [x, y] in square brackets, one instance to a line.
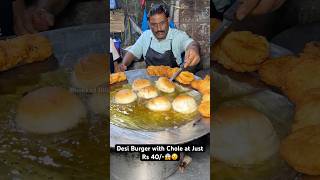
[158, 9]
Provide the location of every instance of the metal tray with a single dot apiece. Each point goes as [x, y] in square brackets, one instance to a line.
[188, 132]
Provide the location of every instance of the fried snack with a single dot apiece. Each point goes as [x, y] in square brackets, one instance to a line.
[195, 84]
[245, 47]
[163, 70]
[151, 70]
[301, 150]
[185, 77]
[158, 70]
[16, 50]
[203, 86]
[24, 49]
[140, 83]
[184, 104]
[172, 71]
[206, 97]
[161, 103]
[125, 96]
[39, 47]
[301, 78]
[273, 71]
[307, 114]
[164, 85]
[204, 108]
[117, 77]
[219, 55]
[311, 51]
[148, 92]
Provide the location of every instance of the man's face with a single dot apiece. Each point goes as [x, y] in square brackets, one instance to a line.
[159, 25]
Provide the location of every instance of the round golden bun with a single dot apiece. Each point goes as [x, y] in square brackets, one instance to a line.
[98, 103]
[184, 104]
[206, 97]
[161, 103]
[125, 96]
[148, 92]
[164, 85]
[90, 72]
[49, 110]
[301, 150]
[204, 109]
[140, 83]
[243, 136]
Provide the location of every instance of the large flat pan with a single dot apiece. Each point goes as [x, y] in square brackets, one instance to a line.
[188, 132]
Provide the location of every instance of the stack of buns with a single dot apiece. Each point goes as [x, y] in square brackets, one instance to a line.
[298, 77]
[117, 77]
[184, 77]
[203, 86]
[23, 50]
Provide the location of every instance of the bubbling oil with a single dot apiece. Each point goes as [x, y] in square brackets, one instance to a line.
[138, 117]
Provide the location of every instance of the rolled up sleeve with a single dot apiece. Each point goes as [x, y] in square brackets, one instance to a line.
[137, 48]
[185, 41]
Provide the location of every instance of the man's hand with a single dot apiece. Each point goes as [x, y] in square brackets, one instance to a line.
[122, 67]
[42, 20]
[30, 20]
[257, 7]
[192, 56]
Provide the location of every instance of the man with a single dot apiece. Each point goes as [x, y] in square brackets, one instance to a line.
[163, 45]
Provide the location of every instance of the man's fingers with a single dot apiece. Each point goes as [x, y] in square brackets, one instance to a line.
[263, 7]
[245, 8]
[28, 23]
[187, 59]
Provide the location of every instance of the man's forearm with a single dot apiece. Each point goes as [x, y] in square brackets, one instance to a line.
[53, 6]
[195, 46]
[128, 58]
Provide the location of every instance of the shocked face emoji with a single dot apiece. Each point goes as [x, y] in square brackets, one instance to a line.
[174, 156]
[167, 157]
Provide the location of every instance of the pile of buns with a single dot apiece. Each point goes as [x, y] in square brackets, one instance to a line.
[117, 77]
[185, 77]
[23, 50]
[143, 88]
[298, 77]
[203, 86]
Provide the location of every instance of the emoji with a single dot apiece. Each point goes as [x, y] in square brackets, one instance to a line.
[174, 156]
[167, 157]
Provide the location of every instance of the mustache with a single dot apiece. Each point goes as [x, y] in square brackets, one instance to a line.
[160, 32]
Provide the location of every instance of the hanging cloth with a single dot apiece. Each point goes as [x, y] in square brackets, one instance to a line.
[144, 24]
